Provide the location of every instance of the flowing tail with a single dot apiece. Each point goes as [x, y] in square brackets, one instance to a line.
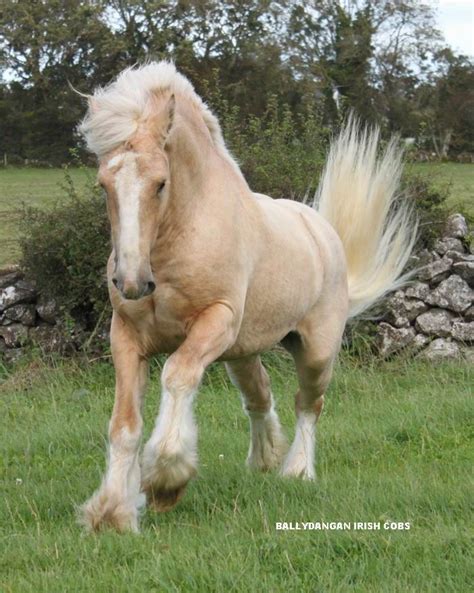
[358, 196]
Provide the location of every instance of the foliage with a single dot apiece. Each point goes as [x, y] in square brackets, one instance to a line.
[385, 60]
[47, 46]
[281, 154]
[65, 249]
[448, 113]
[430, 207]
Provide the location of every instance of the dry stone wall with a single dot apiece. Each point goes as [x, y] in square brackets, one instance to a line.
[29, 318]
[433, 316]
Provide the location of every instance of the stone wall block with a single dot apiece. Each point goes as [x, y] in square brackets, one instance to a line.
[14, 335]
[47, 309]
[463, 331]
[402, 310]
[418, 290]
[436, 271]
[10, 278]
[436, 322]
[24, 314]
[439, 350]
[390, 340]
[465, 269]
[454, 293]
[16, 294]
[456, 227]
[442, 246]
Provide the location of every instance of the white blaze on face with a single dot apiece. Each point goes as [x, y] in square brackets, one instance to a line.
[128, 187]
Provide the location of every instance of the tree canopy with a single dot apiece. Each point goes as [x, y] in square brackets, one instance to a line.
[384, 59]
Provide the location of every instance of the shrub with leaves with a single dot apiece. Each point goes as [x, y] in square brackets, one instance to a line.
[65, 250]
[281, 154]
[430, 206]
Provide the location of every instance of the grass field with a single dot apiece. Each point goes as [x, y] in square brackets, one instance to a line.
[35, 187]
[41, 187]
[459, 177]
[394, 445]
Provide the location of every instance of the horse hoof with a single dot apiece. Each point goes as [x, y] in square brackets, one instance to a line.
[163, 501]
[102, 511]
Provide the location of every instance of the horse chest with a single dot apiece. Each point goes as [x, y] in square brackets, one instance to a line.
[159, 321]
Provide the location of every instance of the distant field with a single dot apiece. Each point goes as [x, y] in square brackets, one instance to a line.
[36, 187]
[460, 178]
[41, 187]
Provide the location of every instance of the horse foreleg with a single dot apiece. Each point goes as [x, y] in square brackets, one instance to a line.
[267, 442]
[118, 498]
[170, 456]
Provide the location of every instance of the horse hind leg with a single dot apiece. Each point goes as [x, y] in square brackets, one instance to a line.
[267, 442]
[314, 357]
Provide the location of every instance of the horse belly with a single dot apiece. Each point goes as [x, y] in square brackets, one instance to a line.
[289, 279]
[276, 302]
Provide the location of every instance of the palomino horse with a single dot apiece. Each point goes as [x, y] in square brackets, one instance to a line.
[205, 269]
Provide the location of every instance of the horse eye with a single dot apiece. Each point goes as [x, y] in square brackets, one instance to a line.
[161, 187]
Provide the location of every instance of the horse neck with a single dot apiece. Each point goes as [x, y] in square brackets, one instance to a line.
[198, 165]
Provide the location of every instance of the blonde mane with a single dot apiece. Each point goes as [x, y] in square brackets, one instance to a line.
[116, 110]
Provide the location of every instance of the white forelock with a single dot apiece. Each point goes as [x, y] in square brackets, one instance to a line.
[116, 110]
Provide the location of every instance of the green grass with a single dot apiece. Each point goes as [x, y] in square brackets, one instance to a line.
[35, 187]
[394, 444]
[41, 187]
[459, 177]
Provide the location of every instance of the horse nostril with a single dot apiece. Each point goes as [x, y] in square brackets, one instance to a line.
[150, 287]
[114, 281]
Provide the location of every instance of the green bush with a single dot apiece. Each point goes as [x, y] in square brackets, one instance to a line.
[430, 206]
[281, 154]
[65, 250]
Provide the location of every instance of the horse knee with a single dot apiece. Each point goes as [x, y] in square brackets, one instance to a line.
[315, 373]
[309, 402]
[181, 375]
[124, 438]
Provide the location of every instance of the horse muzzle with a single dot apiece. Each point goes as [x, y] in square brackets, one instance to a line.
[133, 289]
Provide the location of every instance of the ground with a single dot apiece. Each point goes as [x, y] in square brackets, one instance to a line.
[394, 445]
[44, 186]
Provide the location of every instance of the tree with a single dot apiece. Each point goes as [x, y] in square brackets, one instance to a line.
[447, 106]
[46, 45]
[383, 59]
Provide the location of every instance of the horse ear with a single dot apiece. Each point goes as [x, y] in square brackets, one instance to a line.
[161, 118]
